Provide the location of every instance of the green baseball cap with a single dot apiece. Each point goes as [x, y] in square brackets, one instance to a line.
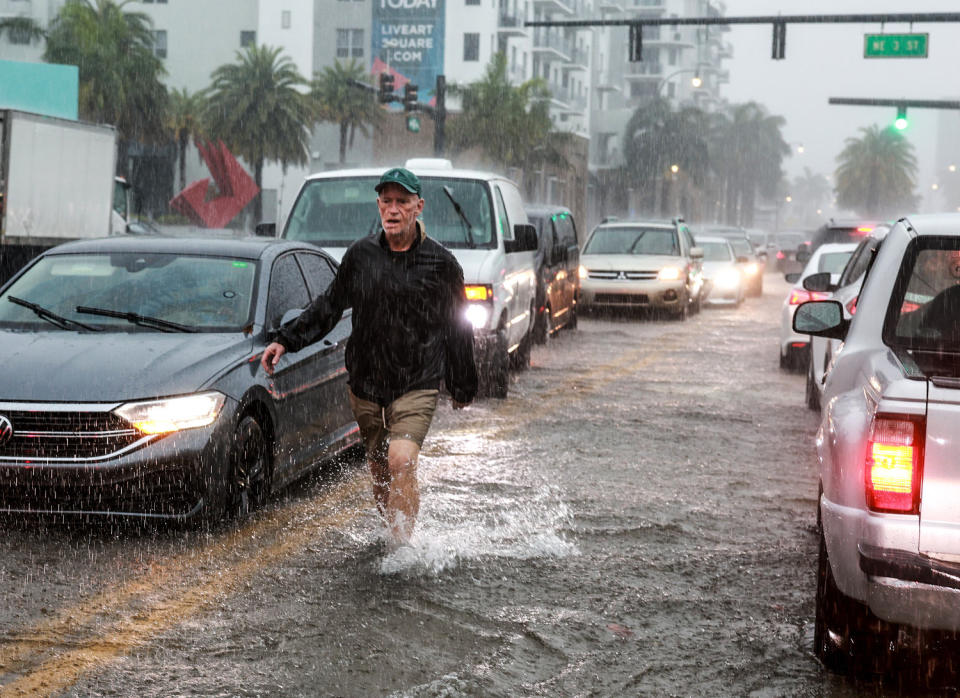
[398, 175]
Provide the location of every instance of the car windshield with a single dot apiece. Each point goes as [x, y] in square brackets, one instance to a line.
[715, 251]
[925, 305]
[833, 262]
[633, 240]
[742, 247]
[208, 294]
[336, 212]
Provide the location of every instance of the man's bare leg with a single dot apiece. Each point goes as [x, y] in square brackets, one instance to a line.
[380, 472]
[403, 499]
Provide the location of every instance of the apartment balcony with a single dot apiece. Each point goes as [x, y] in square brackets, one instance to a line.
[579, 60]
[511, 23]
[554, 6]
[605, 83]
[644, 71]
[611, 6]
[726, 50]
[552, 47]
[646, 6]
[516, 74]
[565, 101]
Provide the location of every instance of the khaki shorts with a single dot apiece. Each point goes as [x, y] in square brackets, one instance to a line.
[408, 417]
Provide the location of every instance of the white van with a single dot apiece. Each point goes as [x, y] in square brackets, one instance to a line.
[479, 216]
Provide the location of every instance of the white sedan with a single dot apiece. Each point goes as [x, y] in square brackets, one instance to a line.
[832, 258]
[889, 563]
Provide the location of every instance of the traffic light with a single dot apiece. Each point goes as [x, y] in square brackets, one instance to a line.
[901, 121]
[386, 87]
[409, 97]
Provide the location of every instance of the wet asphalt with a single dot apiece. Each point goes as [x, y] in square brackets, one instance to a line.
[637, 518]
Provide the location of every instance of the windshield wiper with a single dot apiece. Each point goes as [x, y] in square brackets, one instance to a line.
[636, 242]
[467, 227]
[64, 323]
[142, 320]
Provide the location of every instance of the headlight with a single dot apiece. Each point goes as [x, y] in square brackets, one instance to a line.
[478, 314]
[751, 269]
[173, 414]
[669, 274]
[583, 272]
[728, 278]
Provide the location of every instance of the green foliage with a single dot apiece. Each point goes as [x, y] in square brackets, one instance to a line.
[119, 74]
[510, 124]
[877, 173]
[22, 29]
[184, 122]
[657, 137]
[255, 108]
[346, 105]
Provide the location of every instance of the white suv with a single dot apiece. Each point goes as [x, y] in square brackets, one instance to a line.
[479, 216]
[889, 568]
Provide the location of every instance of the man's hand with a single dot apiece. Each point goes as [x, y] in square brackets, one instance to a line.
[459, 405]
[271, 355]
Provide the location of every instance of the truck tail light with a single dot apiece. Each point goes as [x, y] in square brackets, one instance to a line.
[894, 464]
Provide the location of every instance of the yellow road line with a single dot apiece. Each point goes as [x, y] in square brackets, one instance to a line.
[175, 605]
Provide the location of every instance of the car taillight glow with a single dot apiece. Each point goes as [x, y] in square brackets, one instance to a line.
[893, 465]
[781, 255]
[864, 229]
[802, 295]
[852, 305]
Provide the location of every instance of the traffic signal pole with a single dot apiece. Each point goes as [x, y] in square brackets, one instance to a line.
[900, 104]
[385, 95]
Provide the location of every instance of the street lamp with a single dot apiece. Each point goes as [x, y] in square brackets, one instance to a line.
[696, 81]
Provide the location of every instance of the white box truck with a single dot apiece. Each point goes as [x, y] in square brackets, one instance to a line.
[56, 184]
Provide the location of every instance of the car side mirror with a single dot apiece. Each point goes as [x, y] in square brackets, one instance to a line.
[287, 318]
[821, 319]
[696, 252]
[819, 282]
[524, 239]
[267, 230]
[792, 277]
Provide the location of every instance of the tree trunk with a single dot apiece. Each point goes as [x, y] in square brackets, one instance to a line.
[184, 142]
[343, 142]
[258, 199]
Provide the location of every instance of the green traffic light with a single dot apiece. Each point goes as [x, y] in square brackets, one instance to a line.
[413, 123]
[901, 123]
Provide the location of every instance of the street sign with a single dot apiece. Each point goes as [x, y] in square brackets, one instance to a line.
[895, 45]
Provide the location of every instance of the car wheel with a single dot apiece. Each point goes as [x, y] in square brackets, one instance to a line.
[784, 360]
[812, 394]
[250, 472]
[683, 309]
[572, 322]
[495, 378]
[847, 637]
[541, 328]
[520, 360]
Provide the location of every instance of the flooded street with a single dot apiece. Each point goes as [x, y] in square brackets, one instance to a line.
[637, 518]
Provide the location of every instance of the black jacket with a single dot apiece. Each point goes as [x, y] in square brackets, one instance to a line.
[409, 329]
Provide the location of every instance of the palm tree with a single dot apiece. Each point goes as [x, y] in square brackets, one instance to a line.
[119, 73]
[510, 124]
[24, 29]
[183, 121]
[255, 108]
[876, 173]
[749, 156]
[656, 139]
[810, 191]
[344, 104]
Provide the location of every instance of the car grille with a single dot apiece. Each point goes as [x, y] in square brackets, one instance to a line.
[622, 298]
[622, 275]
[45, 432]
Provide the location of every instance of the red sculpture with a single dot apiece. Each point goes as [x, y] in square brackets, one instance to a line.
[236, 188]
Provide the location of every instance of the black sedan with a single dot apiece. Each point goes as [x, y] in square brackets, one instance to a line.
[132, 384]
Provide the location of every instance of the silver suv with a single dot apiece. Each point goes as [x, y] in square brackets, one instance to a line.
[889, 508]
[638, 264]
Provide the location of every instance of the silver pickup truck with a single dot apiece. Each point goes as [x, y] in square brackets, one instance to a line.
[889, 450]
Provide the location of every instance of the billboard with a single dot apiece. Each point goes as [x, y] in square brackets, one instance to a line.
[408, 41]
[40, 88]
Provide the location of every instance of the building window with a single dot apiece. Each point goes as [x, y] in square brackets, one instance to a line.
[471, 47]
[473, 2]
[285, 19]
[160, 43]
[248, 39]
[349, 43]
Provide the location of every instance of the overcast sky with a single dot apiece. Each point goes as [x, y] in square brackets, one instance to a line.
[824, 60]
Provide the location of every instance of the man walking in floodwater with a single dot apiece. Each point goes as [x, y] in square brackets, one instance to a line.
[409, 335]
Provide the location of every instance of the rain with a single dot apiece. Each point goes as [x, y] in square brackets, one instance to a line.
[639, 499]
